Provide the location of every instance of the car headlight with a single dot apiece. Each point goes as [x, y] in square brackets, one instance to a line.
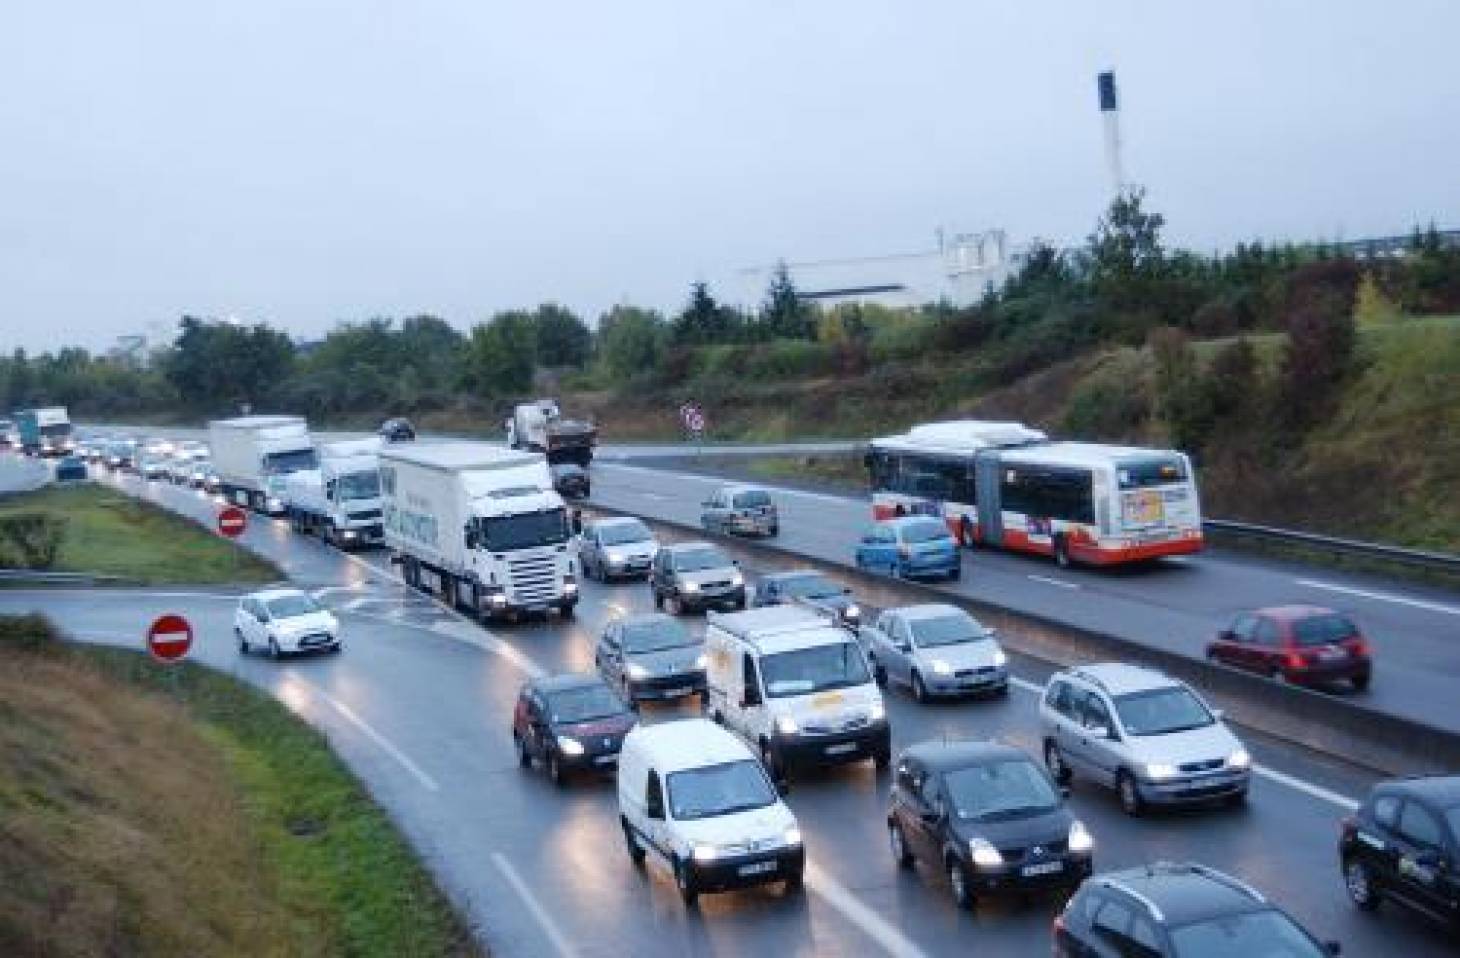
[569, 745]
[877, 712]
[615, 558]
[1000, 658]
[691, 587]
[637, 671]
[274, 505]
[984, 854]
[570, 587]
[702, 662]
[852, 611]
[705, 853]
[1160, 770]
[1239, 759]
[737, 579]
[793, 836]
[940, 667]
[1080, 838]
[786, 725]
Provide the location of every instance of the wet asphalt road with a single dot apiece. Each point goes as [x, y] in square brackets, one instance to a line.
[419, 705]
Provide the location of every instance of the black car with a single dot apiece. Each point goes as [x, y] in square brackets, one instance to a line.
[690, 576]
[651, 656]
[396, 430]
[1404, 843]
[988, 816]
[811, 589]
[570, 723]
[571, 480]
[1178, 911]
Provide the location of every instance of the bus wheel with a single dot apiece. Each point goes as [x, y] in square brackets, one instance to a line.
[1061, 552]
[965, 533]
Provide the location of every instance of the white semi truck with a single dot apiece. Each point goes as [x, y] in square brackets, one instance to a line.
[539, 426]
[339, 501]
[480, 526]
[254, 455]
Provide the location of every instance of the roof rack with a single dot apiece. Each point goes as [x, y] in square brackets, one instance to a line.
[1095, 680]
[1224, 878]
[1121, 886]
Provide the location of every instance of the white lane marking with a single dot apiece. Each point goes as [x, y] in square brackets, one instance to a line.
[873, 925]
[544, 920]
[385, 744]
[1381, 596]
[1263, 771]
[1059, 582]
[652, 495]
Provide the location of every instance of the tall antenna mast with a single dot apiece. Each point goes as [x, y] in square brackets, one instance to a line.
[1110, 114]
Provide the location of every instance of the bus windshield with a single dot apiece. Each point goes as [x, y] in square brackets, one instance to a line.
[507, 533]
[1151, 472]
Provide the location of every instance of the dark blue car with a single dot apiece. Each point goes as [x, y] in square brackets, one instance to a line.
[910, 547]
[71, 469]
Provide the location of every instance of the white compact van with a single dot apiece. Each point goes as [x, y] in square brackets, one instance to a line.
[796, 687]
[694, 795]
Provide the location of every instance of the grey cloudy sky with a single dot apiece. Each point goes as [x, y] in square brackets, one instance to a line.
[305, 161]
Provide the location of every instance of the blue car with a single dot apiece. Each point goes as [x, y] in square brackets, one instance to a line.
[910, 547]
[71, 469]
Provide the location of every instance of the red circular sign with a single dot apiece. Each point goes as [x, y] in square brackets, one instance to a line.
[169, 638]
[232, 521]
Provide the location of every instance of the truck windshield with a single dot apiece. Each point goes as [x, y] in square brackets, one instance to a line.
[719, 790]
[278, 463]
[57, 429]
[505, 533]
[838, 665]
[360, 485]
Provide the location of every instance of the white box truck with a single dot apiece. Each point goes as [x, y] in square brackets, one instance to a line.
[339, 501]
[254, 455]
[478, 525]
[45, 431]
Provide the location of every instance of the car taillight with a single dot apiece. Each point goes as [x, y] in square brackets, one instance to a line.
[1296, 660]
[1358, 646]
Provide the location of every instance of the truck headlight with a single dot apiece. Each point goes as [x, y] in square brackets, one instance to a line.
[702, 662]
[570, 587]
[984, 854]
[615, 558]
[852, 611]
[273, 504]
[706, 853]
[786, 725]
[1160, 770]
[940, 667]
[877, 712]
[1000, 658]
[1080, 838]
[569, 745]
[1239, 759]
[691, 587]
[793, 836]
[737, 579]
[637, 671]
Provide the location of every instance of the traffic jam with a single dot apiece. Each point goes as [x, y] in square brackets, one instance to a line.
[705, 709]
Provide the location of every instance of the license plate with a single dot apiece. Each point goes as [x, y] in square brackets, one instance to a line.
[606, 760]
[537, 608]
[758, 868]
[841, 749]
[1043, 868]
[827, 698]
[675, 693]
[1329, 655]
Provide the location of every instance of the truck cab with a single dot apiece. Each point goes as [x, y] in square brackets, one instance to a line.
[796, 688]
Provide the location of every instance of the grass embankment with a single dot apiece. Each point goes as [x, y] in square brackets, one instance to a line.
[107, 532]
[142, 818]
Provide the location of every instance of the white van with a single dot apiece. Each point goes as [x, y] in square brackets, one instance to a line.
[696, 797]
[796, 687]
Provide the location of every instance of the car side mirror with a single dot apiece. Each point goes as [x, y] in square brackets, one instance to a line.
[1064, 791]
[783, 788]
[1099, 731]
[1429, 858]
[750, 697]
[902, 645]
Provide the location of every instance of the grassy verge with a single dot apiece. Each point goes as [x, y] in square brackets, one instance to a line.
[836, 472]
[110, 533]
[187, 814]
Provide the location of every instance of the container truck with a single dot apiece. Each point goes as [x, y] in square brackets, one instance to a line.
[45, 431]
[339, 501]
[254, 455]
[539, 426]
[478, 525]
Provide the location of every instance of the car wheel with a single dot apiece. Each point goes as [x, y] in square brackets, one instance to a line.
[658, 600]
[1130, 795]
[524, 757]
[879, 675]
[275, 652]
[242, 642]
[686, 883]
[1360, 683]
[1055, 762]
[676, 605]
[955, 574]
[1360, 885]
[337, 647]
[1236, 799]
[898, 844]
[965, 533]
[636, 851]
[919, 690]
[775, 530]
[555, 769]
[959, 884]
[796, 880]
[768, 759]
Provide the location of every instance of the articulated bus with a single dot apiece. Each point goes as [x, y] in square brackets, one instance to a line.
[1003, 484]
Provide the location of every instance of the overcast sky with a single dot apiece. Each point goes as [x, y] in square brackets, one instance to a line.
[306, 161]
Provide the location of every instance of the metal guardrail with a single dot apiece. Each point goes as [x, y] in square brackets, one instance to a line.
[47, 577]
[1370, 550]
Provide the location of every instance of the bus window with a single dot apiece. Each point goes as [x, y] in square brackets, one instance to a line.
[1047, 493]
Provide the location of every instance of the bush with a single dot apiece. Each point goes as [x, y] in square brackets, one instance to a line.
[32, 540]
[1112, 402]
[790, 359]
[32, 632]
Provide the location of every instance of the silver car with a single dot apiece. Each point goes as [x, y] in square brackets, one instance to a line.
[620, 547]
[935, 650]
[741, 510]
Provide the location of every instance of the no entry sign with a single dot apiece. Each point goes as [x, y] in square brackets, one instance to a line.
[232, 521]
[169, 638]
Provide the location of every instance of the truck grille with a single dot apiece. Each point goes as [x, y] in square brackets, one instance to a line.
[365, 514]
[534, 579]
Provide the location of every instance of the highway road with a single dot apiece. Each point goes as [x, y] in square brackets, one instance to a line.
[419, 705]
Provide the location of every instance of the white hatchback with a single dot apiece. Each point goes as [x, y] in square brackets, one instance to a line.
[283, 621]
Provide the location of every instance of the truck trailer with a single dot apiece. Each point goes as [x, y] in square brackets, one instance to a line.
[479, 526]
[339, 501]
[539, 426]
[254, 456]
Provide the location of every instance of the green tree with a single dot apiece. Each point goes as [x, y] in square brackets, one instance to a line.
[501, 355]
[631, 341]
[1371, 306]
[562, 338]
[1181, 401]
[704, 321]
[785, 315]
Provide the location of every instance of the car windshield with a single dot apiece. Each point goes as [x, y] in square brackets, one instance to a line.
[719, 790]
[506, 533]
[925, 530]
[582, 704]
[947, 630]
[656, 635]
[360, 485]
[1013, 788]
[293, 461]
[1162, 711]
[288, 606]
[753, 499]
[1323, 629]
[836, 666]
[1151, 472]
[700, 559]
[622, 533]
[810, 586]
[1269, 934]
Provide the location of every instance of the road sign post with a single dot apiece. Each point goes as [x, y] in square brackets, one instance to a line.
[169, 638]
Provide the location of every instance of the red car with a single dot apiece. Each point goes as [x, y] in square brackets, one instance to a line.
[1303, 644]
